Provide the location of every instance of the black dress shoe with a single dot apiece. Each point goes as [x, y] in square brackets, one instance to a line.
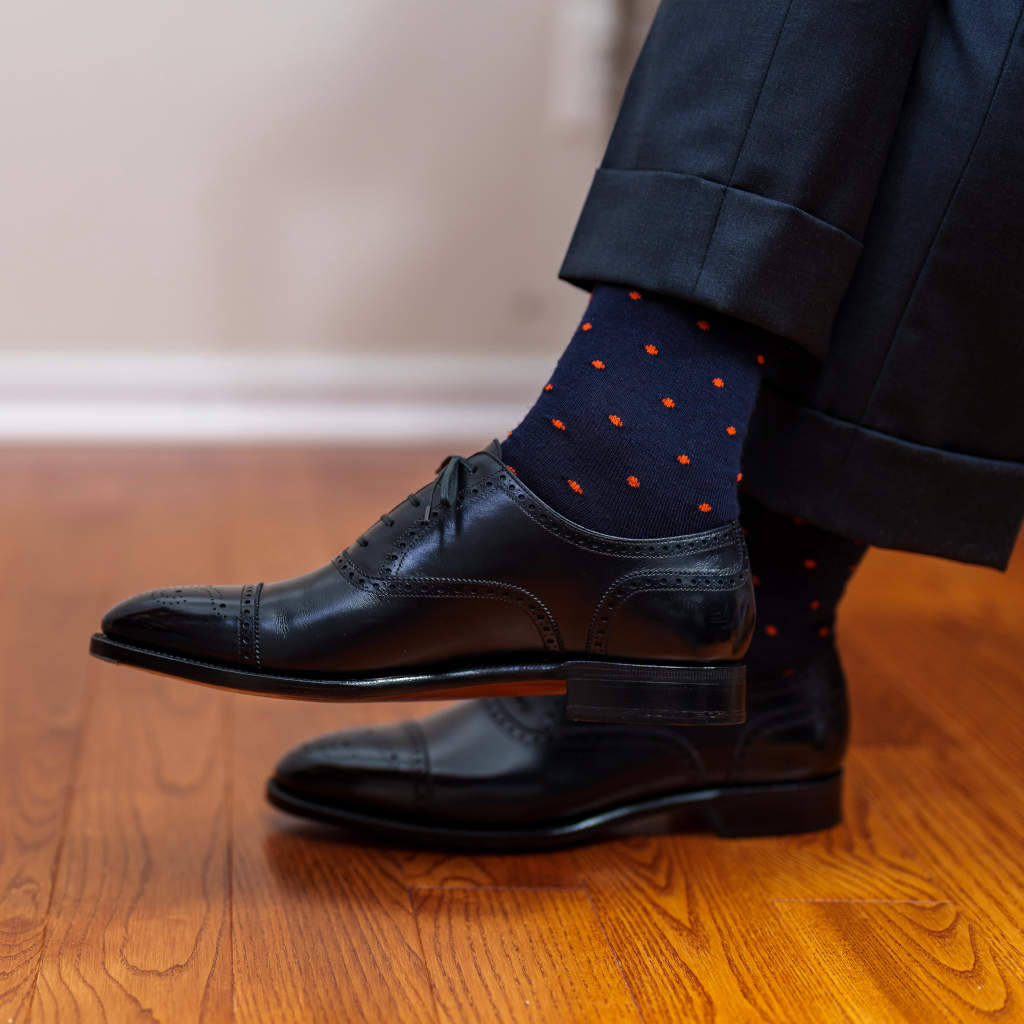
[506, 774]
[471, 586]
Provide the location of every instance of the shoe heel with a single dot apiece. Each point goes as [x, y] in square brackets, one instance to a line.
[656, 694]
[772, 810]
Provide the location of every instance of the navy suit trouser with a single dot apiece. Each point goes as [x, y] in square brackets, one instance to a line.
[848, 176]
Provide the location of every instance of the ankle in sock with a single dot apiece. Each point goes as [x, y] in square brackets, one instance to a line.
[640, 429]
[800, 573]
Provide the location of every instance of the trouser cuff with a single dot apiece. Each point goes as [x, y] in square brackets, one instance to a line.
[762, 261]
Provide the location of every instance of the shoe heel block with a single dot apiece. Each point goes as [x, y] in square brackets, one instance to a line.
[776, 809]
[709, 694]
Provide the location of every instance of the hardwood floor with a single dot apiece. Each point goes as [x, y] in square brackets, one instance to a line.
[142, 876]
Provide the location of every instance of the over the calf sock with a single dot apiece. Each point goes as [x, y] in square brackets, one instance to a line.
[639, 431]
[800, 573]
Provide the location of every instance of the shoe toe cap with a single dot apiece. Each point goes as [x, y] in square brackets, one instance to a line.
[376, 768]
[191, 621]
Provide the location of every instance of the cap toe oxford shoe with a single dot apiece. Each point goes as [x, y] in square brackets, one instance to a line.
[473, 586]
[507, 774]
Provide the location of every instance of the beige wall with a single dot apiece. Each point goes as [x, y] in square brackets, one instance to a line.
[342, 175]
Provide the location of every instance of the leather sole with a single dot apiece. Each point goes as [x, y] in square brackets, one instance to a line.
[604, 691]
[764, 809]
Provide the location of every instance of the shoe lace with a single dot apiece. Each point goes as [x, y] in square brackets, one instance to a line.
[444, 491]
[447, 483]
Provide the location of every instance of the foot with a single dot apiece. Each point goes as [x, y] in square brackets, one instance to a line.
[514, 774]
[473, 585]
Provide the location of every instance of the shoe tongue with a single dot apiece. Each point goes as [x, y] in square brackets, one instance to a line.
[494, 449]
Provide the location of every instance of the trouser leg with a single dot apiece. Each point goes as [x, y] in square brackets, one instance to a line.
[746, 156]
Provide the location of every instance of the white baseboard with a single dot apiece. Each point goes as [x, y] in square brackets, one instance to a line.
[263, 399]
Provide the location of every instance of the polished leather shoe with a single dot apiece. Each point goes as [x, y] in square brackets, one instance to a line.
[473, 586]
[508, 774]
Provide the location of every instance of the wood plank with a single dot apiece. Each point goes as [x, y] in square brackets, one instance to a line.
[555, 869]
[508, 955]
[51, 552]
[938, 642]
[139, 926]
[139, 922]
[900, 961]
[967, 831]
[696, 935]
[323, 929]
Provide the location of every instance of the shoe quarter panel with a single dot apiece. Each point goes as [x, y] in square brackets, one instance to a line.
[699, 607]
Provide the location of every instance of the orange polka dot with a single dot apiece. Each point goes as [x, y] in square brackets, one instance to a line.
[718, 382]
[756, 580]
[575, 486]
[597, 364]
[789, 672]
[739, 477]
[760, 360]
[558, 423]
[798, 521]
[704, 507]
[772, 630]
[549, 387]
[512, 471]
[651, 350]
[668, 403]
[815, 605]
[824, 631]
[632, 481]
[615, 420]
[704, 325]
[810, 563]
[587, 327]
[731, 431]
[683, 460]
[635, 295]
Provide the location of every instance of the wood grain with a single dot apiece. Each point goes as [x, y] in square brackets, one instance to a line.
[47, 547]
[507, 955]
[139, 924]
[143, 877]
[140, 916]
[904, 961]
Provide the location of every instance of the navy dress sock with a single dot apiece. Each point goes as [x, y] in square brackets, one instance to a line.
[800, 573]
[639, 431]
